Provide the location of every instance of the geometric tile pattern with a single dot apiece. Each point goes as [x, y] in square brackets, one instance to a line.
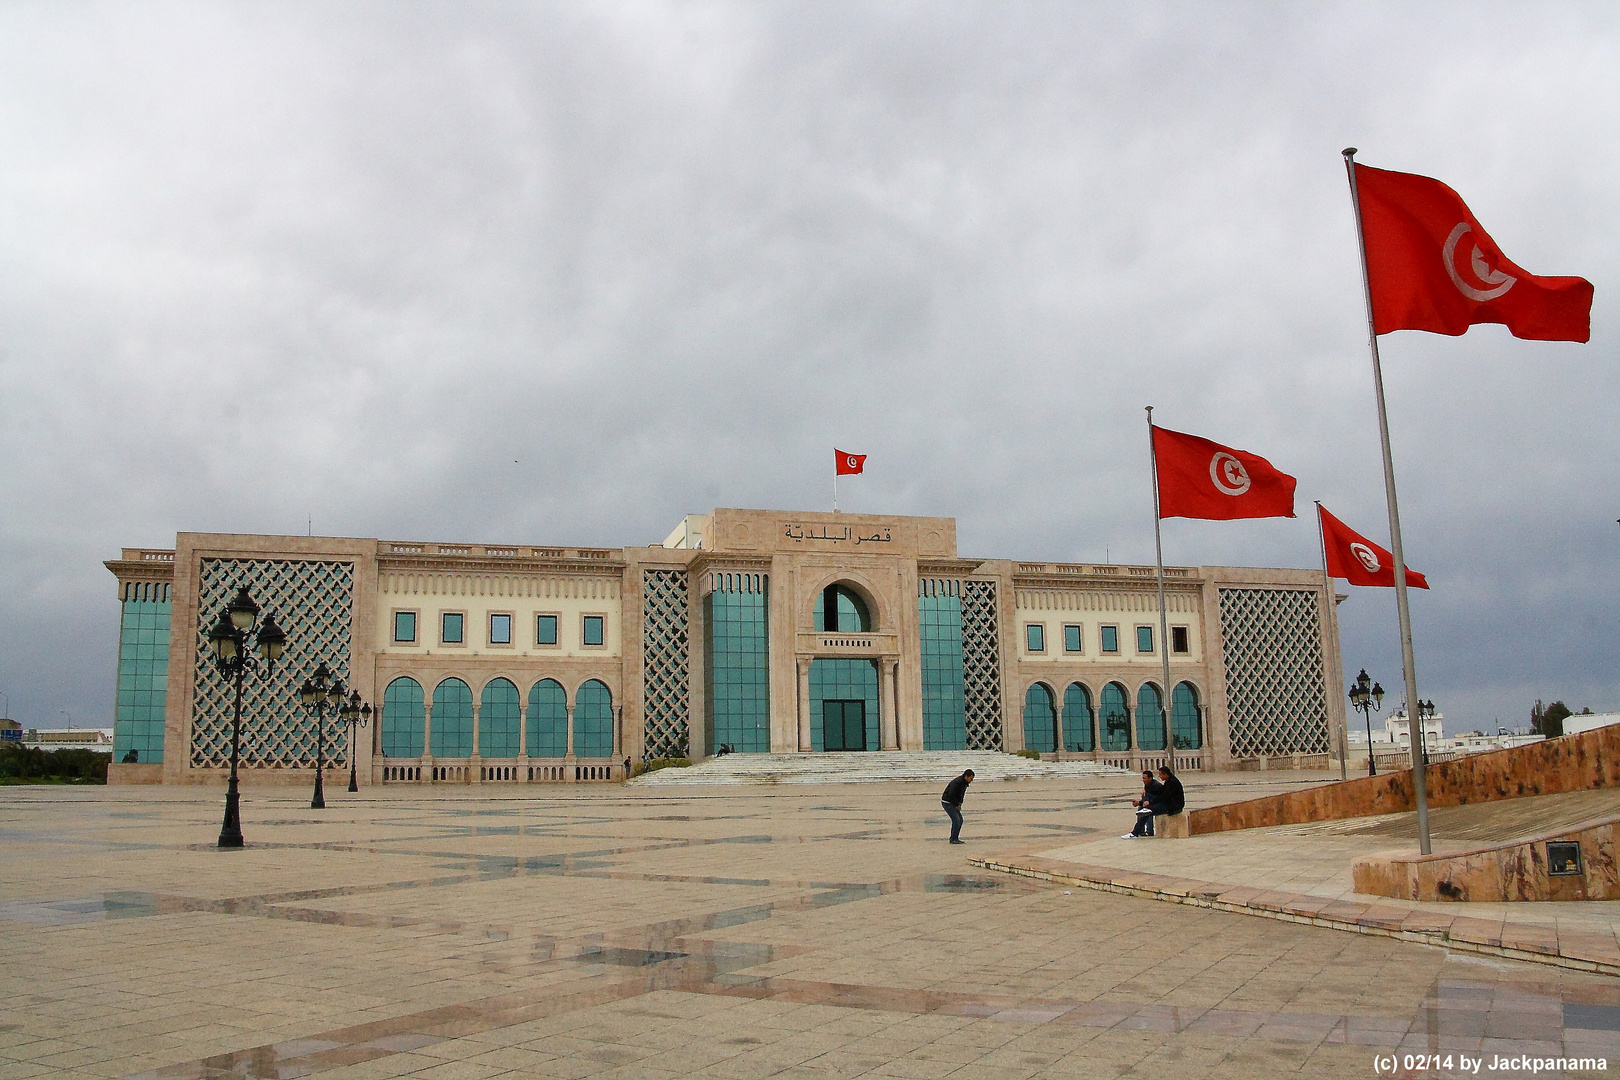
[314, 603]
[981, 665]
[666, 665]
[1271, 645]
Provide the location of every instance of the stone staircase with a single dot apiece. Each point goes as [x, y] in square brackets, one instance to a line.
[891, 766]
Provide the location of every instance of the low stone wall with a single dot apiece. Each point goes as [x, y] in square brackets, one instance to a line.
[1512, 871]
[133, 773]
[1571, 763]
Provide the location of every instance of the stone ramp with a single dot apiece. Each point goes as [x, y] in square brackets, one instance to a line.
[892, 766]
[1486, 823]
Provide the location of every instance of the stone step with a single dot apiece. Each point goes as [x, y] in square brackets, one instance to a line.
[892, 766]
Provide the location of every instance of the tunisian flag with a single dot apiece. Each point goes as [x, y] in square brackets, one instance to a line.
[1357, 559]
[1431, 267]
[849, 463]
[1203, 479]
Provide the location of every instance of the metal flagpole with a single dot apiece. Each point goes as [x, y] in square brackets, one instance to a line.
[1408, 661]
[1333, 620]
[1164, 630]
[835, 487]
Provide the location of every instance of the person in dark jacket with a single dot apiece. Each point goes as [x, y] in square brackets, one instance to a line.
[1144, 806]
[1171, 799]
[955, 792]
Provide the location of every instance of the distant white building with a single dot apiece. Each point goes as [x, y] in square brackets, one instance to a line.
[1579, 722]
[1396, 733]
[73, 739]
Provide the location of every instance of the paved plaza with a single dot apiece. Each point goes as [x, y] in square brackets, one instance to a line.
[617, 931]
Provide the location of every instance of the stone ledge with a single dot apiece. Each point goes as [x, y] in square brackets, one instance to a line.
[1514, 871]
[1577, 951]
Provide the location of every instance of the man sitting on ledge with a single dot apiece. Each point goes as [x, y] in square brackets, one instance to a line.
[1169, 799]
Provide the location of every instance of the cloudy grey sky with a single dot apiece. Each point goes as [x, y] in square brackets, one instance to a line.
[561, 273]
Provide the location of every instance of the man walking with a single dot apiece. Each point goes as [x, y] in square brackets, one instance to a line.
[955, 792]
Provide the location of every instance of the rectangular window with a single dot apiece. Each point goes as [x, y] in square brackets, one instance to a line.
[1035, 637]
[450, 627]
[1179, 640]
[1110, 639]
[500, 629]
[1071, 638]
[1144, 639]
[405, 626]
[545, 629]
[591, 630]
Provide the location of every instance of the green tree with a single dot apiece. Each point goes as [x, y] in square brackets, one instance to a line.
[1549, 720]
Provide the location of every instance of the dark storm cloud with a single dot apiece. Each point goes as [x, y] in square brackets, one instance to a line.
[564, 273]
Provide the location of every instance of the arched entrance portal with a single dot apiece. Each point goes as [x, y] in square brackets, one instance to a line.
[843, 704]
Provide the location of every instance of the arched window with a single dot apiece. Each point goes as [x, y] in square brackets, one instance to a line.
[1184, 725]
[593, 720]
[548, 719]
[498, 720]
[1114, 718]
[1040, 720]
[452, 719]
[1149, 718]
[402, 718]
[849, 611]
[1077, 730]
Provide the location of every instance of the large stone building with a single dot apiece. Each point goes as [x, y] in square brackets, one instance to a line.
[755, 630]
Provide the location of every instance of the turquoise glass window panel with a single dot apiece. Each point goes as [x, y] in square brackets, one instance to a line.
[1149, 718]
[141, 698]
[498, 718]
[452, 719]
[1035, 637]
[1071, 639]
[1110, 639]
[1144, 639]
[843, 680]
[593, 721]
[500, 629]
[736, 665]
[1114, 718]
[591, 630]
[451, 628]
[545, 629]
[944, 694]
[1077, 718]
[403, 719]
[852, 614]
[405, 626]
[1184, 725]
[548, 720]
[1040, 720]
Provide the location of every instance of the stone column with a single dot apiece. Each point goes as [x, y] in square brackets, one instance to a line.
[890, 715]
[475, 772]
[805, 743]
[1057, 723]
[568, 771]
[427, 740]
[523, 743]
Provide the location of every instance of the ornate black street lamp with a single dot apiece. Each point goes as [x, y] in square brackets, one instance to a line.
[1367, 700]
[357, 715]
[320, 690]
[1425, 711]
[229, 640]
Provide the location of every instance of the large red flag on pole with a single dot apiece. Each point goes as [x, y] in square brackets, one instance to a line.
[1202, 479]
[1431, 267]
[1357, 559]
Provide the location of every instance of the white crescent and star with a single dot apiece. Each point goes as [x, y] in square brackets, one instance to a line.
[1228, 474]
[1490, 283]
[1367, 557]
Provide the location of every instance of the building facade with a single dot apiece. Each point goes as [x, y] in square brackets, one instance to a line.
[756, 631]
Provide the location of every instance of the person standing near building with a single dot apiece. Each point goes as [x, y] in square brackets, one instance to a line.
[955, 792]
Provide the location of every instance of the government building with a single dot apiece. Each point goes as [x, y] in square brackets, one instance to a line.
[750, 630]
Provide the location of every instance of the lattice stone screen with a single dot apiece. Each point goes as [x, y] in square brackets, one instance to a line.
[666, 666]
[981, 665]
[1272, 647]
[314, 604]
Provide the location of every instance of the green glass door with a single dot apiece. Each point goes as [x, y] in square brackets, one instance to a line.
[843, 725]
